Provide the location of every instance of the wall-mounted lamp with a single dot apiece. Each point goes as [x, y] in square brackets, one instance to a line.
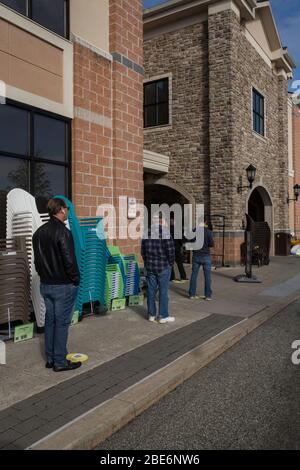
[251, 173]
[296, 194]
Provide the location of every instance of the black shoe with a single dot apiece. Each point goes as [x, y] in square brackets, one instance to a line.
[69, 366]
[49, 365]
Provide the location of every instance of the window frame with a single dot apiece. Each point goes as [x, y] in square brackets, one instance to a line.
[254, 94]
[29, 16]
[30, 158]
[151, 81]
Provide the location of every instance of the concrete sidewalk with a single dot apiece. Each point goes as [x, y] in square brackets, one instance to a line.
[132, 359]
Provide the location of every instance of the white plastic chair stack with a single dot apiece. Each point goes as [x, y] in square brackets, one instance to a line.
[23, 219]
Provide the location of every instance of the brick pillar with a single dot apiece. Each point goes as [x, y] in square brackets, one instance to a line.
[126, 46]
[92, 131]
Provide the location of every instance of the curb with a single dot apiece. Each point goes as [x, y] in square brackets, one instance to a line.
[92, 428]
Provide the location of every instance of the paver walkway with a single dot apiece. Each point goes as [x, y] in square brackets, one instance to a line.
[123, 348]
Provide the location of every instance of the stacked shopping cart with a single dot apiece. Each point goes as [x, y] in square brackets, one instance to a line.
[90, 250]
[22, 220]
[122, 276]
[114, 285]
[15, 282]
[132, 280]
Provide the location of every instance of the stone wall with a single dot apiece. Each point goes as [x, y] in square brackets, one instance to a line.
[231, 130]
[296, 153]
[211, 140]
[184, 55]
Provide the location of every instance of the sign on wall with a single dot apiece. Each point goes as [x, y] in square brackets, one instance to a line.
[132, 209]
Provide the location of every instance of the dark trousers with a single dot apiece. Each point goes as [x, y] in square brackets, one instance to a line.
[179, 262]
[59, 301]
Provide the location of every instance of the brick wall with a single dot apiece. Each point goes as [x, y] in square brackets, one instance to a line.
[92, 142]
[108, 124]
[232, 249]
[126, 39]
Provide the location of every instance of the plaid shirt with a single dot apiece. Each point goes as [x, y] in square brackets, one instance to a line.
[158, 250]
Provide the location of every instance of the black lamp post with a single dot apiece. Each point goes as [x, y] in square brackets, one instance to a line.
[296, 193]
[251, 173]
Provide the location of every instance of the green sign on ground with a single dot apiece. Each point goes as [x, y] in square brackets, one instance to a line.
[23, 332]
[136, 300]
[118, 304]
[75, 318]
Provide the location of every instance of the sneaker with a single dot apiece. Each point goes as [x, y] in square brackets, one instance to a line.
[166, 320]
[194, 297]
[176, 281]
[152, 319]
[208, 298]
[183, 281]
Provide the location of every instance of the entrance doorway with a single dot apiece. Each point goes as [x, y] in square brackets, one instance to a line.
[162, 192]
[260, 209]
[256, 207]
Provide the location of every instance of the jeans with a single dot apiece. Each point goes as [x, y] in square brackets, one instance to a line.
[160, 282]
[179, 262]
[59, 301]
[198, 261]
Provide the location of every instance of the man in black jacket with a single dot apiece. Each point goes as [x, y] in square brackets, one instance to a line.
[55, 262]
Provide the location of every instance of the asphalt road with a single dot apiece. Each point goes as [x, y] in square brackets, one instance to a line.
[249, 398]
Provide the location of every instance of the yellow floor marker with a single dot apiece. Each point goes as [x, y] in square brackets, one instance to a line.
[77, 357]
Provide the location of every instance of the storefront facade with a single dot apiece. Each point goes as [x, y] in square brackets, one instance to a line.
[71, 116]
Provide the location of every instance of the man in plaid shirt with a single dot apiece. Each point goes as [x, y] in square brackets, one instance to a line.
[158, 252]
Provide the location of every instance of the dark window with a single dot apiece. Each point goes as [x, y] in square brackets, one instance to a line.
[53, 14]
[49, 138]
[14, 174]
[49, 180]
[258, 112]
[14, 130]
[34, 155]
[18, 5]
[156, 103]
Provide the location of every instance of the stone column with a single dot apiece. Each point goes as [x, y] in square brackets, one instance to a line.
[222, 26]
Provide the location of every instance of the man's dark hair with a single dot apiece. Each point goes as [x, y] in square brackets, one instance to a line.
[55, 205]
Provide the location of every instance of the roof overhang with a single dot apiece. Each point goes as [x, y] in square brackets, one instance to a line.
[281, 57]
[180, 9]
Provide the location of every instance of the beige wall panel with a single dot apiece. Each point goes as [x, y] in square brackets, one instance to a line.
[36, 51]
[257, 31]
[90, 21]
[35, 80]
[3, 36]
[4, 67]
[39, 67]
